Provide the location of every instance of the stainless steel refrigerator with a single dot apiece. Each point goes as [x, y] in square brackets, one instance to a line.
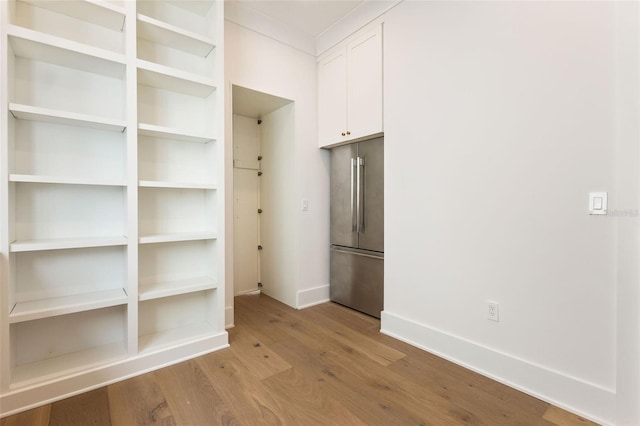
[357, 226]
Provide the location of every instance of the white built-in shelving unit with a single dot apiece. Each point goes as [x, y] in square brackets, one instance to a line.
[110, 173]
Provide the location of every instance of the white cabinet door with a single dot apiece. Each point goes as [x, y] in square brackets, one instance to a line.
[364, 111]
[332, 97]
[350, 88]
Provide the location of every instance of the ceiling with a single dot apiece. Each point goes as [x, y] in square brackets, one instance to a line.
[311, 17]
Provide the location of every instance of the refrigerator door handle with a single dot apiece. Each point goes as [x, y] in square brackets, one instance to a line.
[360, 195]
[354, 225]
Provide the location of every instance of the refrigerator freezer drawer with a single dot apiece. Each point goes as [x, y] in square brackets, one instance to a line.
[357, 279]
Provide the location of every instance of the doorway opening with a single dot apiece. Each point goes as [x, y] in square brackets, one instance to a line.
[264, 233]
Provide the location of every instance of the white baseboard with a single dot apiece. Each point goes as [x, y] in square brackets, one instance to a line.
[585, 399]
[229, 317]
[253, 291]
[313, 296]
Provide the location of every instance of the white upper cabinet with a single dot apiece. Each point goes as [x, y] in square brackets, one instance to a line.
[332, 97]
[364, 54]
[350, 88]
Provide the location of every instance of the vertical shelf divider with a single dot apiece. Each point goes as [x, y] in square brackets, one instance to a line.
[5, 297]
[219, 319]
[132, 176]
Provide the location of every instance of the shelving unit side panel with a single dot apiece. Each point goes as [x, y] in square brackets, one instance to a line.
[177, 261]
[68, 151]
[131, 213]
[68, 27]
[176, 161]
[216, 19]
[52, 86]
[6, 140]
[51, 211]
[49, 338]
[214, 317]
[13, 356]
[58, 273]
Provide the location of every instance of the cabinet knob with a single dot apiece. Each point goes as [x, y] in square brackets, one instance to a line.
[343, 134]
[348, 132]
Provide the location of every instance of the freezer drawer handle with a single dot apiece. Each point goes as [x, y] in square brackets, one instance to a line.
[358, 254]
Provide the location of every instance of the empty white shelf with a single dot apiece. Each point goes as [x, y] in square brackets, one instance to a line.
[47, 369]
[175, 336]
[199, 7]
[28, 112]
[65, 180]
[68, 243]
[45, 308]
[171, 133]
[177, 185]
[167, 78]
[174, 288]
[171, 36]
[38, 46]
[176, 237]
[97, 12]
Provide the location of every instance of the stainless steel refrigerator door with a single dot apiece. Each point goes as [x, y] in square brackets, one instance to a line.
[343, 196]
[357, 279]
[371, 201]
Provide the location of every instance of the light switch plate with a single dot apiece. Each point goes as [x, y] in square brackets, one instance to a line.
[597, 203]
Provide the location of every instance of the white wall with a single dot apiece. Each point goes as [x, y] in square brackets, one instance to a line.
[500, 117]
[627, 57]
[278, 259]
[263, 64]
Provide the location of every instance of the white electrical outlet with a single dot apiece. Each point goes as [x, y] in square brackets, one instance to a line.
[492, 311]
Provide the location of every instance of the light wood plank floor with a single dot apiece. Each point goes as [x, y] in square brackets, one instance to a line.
[325, 365]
